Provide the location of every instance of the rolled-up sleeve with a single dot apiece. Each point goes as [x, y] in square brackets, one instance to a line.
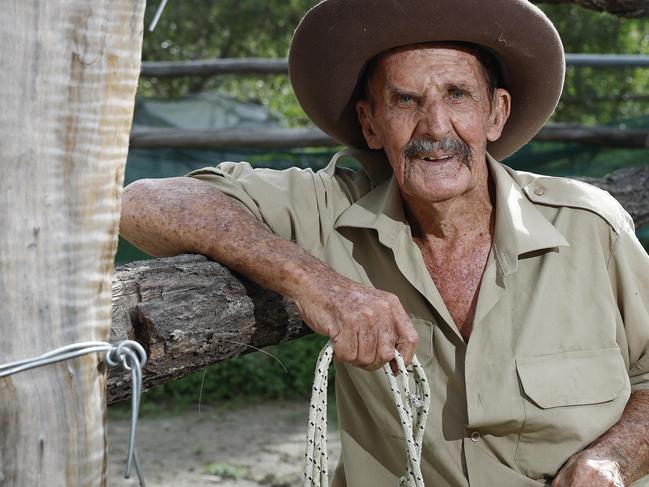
[629, 272]
[297, 204]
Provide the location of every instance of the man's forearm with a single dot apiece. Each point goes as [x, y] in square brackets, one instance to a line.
[618, 457]
[627, 442]
[185, 215]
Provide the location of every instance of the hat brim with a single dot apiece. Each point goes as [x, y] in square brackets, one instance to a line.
[336, 38]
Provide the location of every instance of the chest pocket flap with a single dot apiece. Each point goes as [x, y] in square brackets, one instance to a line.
[572, 378]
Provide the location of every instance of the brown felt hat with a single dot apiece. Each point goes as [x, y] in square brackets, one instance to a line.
[336, 39]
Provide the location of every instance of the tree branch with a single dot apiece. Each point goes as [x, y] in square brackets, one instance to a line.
[621, 8]
[189, 312]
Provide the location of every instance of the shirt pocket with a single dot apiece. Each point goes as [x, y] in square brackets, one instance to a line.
[424, 350]
[570, 399]
[424, 354]
[381, 402]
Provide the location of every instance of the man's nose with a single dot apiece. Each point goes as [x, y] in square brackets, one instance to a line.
[434, 120]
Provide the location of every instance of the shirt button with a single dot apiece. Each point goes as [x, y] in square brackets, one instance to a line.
[539, 190]
[475, 436]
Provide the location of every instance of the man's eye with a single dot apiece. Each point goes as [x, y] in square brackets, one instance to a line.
[405, 99]
[458, 95]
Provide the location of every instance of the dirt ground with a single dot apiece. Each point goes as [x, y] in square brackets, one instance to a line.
[245, 446]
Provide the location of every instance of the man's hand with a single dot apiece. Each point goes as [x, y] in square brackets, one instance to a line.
[617, 458]
[365, 324]
[583, 471]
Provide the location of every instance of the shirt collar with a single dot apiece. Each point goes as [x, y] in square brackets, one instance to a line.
[520, 227]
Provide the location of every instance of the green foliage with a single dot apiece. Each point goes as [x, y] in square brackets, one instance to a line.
[254, 375]
[195, 29]
[601, 95]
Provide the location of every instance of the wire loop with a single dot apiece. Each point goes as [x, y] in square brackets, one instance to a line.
[127, 355]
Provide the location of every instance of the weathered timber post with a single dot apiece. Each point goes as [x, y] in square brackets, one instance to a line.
[67, 86]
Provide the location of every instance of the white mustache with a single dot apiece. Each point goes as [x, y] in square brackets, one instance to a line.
[422, 145]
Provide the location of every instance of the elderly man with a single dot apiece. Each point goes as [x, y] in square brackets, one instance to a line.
[525, 297]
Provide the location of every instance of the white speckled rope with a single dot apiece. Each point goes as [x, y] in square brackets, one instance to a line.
[412, 413]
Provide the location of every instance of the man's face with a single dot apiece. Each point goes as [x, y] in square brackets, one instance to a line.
[432, 114]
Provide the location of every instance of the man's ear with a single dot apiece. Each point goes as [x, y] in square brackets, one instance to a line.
[365, 115]
[500, 110]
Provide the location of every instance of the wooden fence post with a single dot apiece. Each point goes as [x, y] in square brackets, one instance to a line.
[67, 86]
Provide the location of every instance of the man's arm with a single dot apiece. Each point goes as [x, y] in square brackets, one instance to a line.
[618, 457]
[184, 215]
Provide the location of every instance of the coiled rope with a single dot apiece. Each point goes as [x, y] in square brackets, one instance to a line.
[127, 355]
[412, 414]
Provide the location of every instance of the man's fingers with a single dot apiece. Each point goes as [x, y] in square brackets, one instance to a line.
[367, 348]
[345, 345]
[365, 326]
[407, 337]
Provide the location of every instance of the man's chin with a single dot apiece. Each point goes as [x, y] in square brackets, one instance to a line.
[441, 191]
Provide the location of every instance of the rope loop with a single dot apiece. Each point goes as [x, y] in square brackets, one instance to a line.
[128, 355]
[413, 413]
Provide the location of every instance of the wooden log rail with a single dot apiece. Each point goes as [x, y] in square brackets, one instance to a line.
[275, 66]
[275, 138]
[189, 312]
[214, 67]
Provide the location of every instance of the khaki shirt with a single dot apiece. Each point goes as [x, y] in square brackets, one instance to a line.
[561, 331]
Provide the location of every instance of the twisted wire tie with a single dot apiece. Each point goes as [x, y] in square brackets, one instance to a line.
[127, 355]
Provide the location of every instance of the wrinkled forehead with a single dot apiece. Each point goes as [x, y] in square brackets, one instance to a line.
[462, 59]
[461, 50]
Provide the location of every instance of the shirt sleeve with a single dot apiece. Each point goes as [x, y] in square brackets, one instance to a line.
[296, 204]
[629, 272]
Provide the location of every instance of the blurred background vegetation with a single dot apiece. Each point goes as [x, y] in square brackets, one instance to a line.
[195, 29]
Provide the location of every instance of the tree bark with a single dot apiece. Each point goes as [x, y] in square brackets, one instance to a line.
[630, 186]
[274, 138]
[67, 89]
[622, 8]
[189, 312]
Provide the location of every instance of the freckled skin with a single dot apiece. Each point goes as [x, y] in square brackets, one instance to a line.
[433, 91]
[625, 447]
[183, 215]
